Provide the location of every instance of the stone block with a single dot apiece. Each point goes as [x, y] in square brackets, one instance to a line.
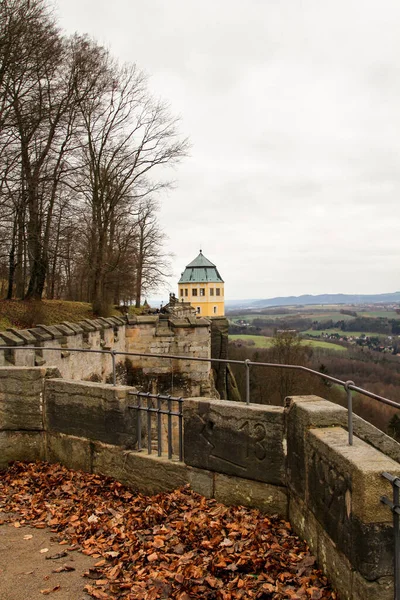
[87, 326]
[21, 398]
[71, 451]
[305, 412]
[146, 473]
[65, 330]
[381, 589]
[40, 335]
[11, 339]
[118, 320]
[76, 328]
[362, 465]
[93, 323]
[20, 356]
[235, 439]
[20, 445]
[344, 487]
[90, 410]
[304, 524]
[53, 331]
[334, 564]
[179, 323]
[106, 322]
[201, 481]
[147, 319]
[24, 334]
[112, 321]
[268, 498]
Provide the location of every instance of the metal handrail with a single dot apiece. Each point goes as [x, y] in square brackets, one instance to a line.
[348, 386]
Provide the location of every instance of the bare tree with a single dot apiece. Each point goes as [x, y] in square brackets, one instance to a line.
[152, 264]
[83, 147]
[128, 135]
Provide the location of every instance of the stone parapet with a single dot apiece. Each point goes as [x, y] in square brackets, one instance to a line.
[245, 441]
[294, 462]
[91, 410]
[21, 398]
[335, 492]
[57, 345]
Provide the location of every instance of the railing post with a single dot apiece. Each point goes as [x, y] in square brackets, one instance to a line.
[114, 372]
[169, 417]
[159, 426]
[148, 424]
[180, 411]
[349, 410]
[139, 423]
[247, 363]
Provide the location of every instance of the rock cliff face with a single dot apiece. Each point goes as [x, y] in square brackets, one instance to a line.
[223, 376]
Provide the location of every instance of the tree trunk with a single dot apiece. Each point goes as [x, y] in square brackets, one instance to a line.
[11, 270]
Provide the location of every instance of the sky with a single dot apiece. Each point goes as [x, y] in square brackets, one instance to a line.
[292, 109]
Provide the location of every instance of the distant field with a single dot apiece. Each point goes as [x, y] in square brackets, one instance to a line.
[261, 341]
[388, 314]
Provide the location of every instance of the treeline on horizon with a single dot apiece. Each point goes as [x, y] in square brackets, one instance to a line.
[266, 326]
[84, 148]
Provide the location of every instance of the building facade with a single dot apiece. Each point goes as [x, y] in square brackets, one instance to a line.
[202, 286]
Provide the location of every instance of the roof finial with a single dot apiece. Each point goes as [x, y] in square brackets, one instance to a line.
[201, 251]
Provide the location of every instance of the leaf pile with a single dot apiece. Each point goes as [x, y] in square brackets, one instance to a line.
[173, 545]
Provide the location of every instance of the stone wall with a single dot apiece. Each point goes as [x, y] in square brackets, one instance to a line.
[97, 334]
[334, 496]
[295, 461]
[161, 334]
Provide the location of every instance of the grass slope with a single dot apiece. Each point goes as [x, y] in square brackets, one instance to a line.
[22, 314]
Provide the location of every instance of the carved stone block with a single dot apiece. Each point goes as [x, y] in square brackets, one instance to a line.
[235, 439]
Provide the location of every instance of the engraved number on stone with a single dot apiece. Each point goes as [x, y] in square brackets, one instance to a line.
[245, 428]
[259, 435]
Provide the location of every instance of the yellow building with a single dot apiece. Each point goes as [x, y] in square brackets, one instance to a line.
[202, 286]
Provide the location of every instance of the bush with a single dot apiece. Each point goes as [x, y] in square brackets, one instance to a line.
[32, 314]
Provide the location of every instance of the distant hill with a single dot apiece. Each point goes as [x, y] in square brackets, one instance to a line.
[319, 299]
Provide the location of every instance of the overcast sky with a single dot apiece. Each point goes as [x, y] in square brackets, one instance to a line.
[292, 108]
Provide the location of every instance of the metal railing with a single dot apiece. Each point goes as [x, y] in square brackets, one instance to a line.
[394, 506]
[348, 386]
[159, 411]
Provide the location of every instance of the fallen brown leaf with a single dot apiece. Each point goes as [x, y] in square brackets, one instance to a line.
[50, 590]
[176, 545]
[63, 568]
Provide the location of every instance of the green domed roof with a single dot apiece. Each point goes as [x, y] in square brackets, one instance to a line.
[201, 270]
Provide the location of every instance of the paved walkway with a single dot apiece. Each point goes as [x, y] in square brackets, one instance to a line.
[25, 567]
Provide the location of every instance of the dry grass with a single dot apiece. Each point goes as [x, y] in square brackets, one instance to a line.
[23, 314]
